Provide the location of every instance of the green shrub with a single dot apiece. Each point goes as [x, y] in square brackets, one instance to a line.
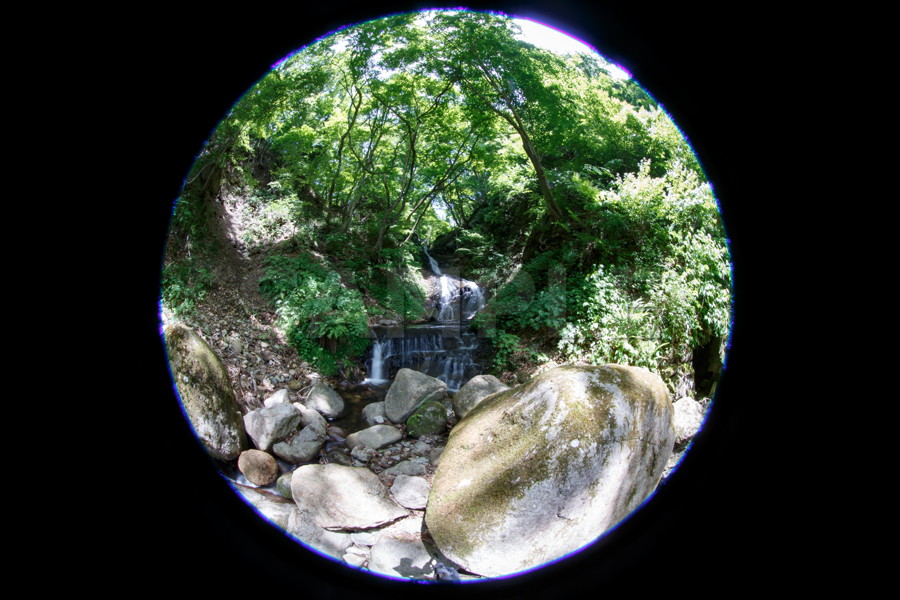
[184, 286]
[322, 319]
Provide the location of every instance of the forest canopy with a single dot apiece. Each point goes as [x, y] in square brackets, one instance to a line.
[568, 193]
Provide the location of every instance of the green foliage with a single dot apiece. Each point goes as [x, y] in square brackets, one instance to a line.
[184, 286]
[323, 320]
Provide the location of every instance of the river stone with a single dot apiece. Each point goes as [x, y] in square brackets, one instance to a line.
[302, 447]
[373, 414]
[410, 491]
[375, 437]
[280, 397]
[325, 400]
[260, 468]
[206, 393]
[311, 418]
[474, 391]
[410, 390]
[343, 498]
[429, 419]
[267, 425]
[539, 471]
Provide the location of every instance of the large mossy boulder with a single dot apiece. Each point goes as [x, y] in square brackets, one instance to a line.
[206, 393]
[538, 471]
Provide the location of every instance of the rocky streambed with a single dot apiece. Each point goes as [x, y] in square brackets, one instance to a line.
[437, 486]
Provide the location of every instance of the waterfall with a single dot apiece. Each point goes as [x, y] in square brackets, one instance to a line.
[444, 348]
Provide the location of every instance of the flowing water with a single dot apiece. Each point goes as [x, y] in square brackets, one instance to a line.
[444, 347]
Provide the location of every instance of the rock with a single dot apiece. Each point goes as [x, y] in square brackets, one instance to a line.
[474, 391]
[206, 393]
[537, 472]
[275, 508]
[343, 498]
[260, 468]
[280, 397]
[283, 485]
[401, 558]
[265, 426]
[302, 527]
[428, 419]
[311, 418]
[373, 414]
[375, 437]
[410, 491]
[302, 447]
[687, 420]
[325, 400]
[409, 391]
[415, 466]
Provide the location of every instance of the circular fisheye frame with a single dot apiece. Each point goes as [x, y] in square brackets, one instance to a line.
[446, 298]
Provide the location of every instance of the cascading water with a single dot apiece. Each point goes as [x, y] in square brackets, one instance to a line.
[443, 348]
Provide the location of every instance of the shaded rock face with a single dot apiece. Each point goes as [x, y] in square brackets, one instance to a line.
[206, 393]
[536, 472]
[474, 391]
[409, 391]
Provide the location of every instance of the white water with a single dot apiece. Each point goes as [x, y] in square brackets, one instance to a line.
[443, 348]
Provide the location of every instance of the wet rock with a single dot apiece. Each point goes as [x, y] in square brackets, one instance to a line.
[474, 391]
[536, 472]
[375, 437]
[373, 414]
[325, 400]
[409, 391]
[428, 419]
[343, 498]
[260, 468]
[206, 393]
[265, 426]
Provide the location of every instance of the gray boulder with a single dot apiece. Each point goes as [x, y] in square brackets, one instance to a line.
[280, 397]
[373, 414]
[541, 470]
[206, 393]
[375, 437]
[302, 447]
[340, 498]
[410, 491]
[325, 400]
[268, 425]
[410, 390]
[474, 391]
[311, 418]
